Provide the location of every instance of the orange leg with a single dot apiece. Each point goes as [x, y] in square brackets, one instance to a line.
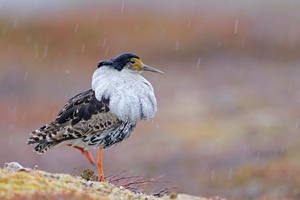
[100, 166]
[85, 152]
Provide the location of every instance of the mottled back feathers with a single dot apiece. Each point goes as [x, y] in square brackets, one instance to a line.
[81, 119]
[82, 107]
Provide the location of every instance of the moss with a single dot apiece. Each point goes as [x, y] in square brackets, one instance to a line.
[24, 183]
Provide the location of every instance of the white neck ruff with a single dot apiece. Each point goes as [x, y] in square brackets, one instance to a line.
[131, 96]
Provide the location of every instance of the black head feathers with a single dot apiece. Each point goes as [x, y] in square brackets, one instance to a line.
[118, 62]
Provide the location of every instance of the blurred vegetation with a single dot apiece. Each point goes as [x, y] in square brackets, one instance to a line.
[229, 110]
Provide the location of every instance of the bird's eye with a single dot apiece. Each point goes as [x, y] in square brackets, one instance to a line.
[132, 61]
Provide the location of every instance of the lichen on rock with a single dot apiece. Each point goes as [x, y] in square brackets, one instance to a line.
[18, 182]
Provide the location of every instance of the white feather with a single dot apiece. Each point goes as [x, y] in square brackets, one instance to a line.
[131, 96]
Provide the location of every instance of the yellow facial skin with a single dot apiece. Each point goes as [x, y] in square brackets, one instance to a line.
[138, 65]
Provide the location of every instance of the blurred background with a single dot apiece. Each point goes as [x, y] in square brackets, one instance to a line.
[229, 101]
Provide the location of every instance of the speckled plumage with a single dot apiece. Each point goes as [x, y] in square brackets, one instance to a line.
[104, 115]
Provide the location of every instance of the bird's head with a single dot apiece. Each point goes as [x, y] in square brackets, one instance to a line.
[129, 62]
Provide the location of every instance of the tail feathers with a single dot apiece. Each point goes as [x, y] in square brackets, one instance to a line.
[45, 137]
[43, 147]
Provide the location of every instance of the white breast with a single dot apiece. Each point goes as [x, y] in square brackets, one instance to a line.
[131, 96]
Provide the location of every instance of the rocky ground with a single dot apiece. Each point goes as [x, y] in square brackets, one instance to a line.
[17, 182]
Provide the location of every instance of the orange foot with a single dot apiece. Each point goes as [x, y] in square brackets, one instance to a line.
[100, 166]
[91, 159]
[85, 152]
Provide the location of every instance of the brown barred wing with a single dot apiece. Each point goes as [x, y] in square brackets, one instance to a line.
[82, 107]
[82, 115]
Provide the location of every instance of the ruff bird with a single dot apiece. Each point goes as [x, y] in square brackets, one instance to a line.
[104, 115]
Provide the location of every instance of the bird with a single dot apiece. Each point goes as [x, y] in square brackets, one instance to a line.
[104, 115]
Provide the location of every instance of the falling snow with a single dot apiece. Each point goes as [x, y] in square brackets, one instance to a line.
[66, 96]
[198, 63]
[26, 75]
[162, 30]
[122, 8]
[15, 23]
[177, 45]
[82, 48]
[106, 52]
[36, 54]
[236, 26]
[76, 27]
[189, 24]
[104, 43]
[158, 88]
[97, 15]
[297, 123]
[230, 173]
[212, 175]
[24, 115]
[45, 51]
